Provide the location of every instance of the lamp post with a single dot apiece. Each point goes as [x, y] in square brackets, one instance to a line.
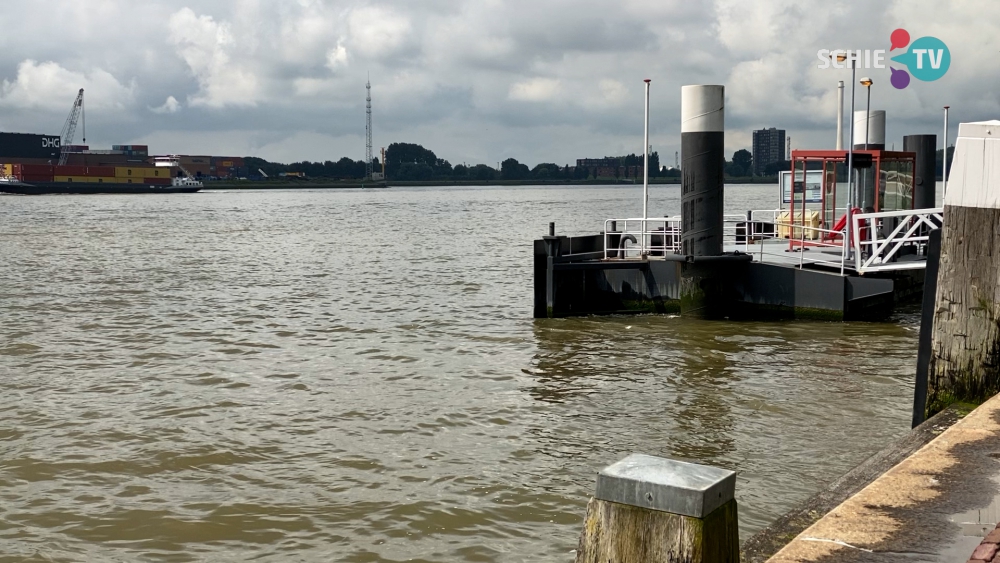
[841, 57]
[944, 155]
[645, 171]
[867, 83]
[840, 115]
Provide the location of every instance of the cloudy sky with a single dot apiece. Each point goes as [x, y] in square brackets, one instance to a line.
[476, 81]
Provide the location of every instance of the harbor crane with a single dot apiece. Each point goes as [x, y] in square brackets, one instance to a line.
[69, 129]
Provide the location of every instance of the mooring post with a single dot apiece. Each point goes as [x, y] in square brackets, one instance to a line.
[703, 154]
[965, 349]
[926, 327]
[552, 244]
[657, 510]
[924, 170]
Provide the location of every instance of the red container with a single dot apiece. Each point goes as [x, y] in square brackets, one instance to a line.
[29, 178]
[70, 171]
[101, 171]
[34, 169]
[157, 181]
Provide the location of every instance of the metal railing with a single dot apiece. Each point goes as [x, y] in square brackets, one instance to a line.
[878, 241]
[801, 239]
[875, 249]
[638, 238]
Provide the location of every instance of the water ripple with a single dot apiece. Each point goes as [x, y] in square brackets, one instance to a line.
[354, 376]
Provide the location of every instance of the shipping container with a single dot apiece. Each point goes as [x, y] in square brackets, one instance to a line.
[7, 169]
[137, 172]
[101, 171]
[158, 181]
[30, 178]
[70, 171]
[23, 145]
[74, 179]
[102, 180]
[34, 169]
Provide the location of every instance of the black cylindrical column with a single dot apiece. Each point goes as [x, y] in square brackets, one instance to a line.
[702, 151]
[702, 146]
[925, 170]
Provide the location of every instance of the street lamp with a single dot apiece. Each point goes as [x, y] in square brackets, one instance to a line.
[944, 155]
[867, 83]
[842, 56]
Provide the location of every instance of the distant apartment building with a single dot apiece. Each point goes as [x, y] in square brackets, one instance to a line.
[608, 168]
[768, 147]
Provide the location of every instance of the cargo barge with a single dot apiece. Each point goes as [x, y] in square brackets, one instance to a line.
[183, 185]
[40, 179]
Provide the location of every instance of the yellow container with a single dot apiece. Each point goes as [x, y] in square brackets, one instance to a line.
[786, 224]
[102, 180]
[142, 172]
[76, 179]
[139, 172]
[6, 170]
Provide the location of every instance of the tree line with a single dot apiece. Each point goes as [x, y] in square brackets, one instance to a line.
[413, 162]
[345, 168]
[407, 161]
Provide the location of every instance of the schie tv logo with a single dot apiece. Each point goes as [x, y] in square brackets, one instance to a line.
[50, 142]
[927, 59]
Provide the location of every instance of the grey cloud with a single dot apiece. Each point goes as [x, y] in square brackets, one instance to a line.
[474, 80]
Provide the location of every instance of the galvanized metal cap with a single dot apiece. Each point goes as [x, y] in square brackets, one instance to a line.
[666, 485]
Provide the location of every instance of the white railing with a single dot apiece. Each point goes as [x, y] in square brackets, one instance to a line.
[655, 237]
[801, 239]
[876, 250]
[760, 233]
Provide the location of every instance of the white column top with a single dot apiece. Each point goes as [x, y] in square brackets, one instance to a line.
[876, 127]
[974, 177]
[703, 108]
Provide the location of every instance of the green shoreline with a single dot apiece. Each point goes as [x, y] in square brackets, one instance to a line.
[353, 184]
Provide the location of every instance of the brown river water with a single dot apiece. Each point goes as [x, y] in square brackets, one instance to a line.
[354, 375]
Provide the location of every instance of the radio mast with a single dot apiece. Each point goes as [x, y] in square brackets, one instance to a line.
[368, 132]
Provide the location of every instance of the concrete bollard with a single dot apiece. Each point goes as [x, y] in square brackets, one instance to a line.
[654, 510]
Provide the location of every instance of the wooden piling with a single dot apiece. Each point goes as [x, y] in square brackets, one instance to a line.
[965, 357]
[655, 510]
